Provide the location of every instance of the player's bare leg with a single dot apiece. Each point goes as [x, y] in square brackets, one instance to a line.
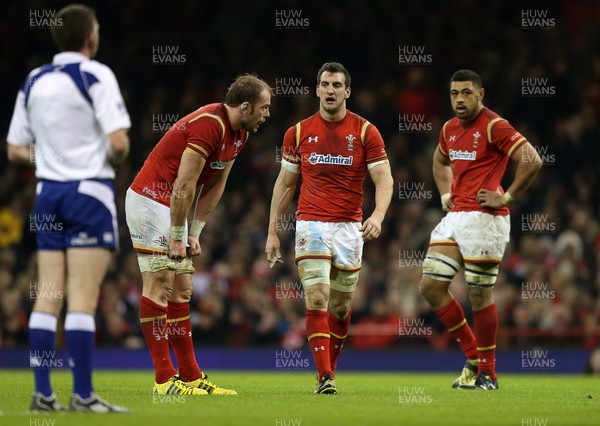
[439, 268]
[49, 298]
[180, 337]
[86, 268]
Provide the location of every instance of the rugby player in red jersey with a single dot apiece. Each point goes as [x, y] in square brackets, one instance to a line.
[468, 165]
[333, 149]
[194, 157]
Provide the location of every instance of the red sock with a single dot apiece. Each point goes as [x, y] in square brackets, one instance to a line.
[485, 324]
[317, 331]
[180, 337]
[153, 319]
[453, 318]
[338, 331]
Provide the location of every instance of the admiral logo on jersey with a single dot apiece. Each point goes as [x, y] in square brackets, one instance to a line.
[462, 155]
[340, 160]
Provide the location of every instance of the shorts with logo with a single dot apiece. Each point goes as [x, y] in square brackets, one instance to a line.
[480, 237]
[75, 214]
[339, 242]
[149, 223]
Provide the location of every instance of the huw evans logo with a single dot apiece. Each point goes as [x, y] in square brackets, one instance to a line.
[413, 123]
[340, 160]
[537, 19]
[535, 87]
[537, 360]
[289, 87]
[290, 19]
[413, 55]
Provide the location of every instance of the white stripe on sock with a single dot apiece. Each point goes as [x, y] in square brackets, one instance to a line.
[80, 321]
[43, 321]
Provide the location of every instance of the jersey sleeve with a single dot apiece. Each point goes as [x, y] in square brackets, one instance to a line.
[109, 107]
[19, 132]
[374, 146]
[505, 137]
[204, 134]
[442, 145]
[291, 151]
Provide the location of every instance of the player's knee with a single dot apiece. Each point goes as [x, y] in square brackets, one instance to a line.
[159, 286]
[182, 296]
[340, 309]
[481, 297]
[316, 298]
[431, 289]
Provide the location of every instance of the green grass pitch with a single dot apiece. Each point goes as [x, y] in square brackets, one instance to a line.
[287, 399]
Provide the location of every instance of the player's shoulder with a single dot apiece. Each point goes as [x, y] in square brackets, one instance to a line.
[306, 124]
[452, 123]
[208, 113]
[212, 115]
[353, 119]
[309, 121]
[488, 117]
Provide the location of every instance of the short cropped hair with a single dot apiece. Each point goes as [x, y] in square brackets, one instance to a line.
[246, 88]
[332, 67]
[467, 75]
[77, 23]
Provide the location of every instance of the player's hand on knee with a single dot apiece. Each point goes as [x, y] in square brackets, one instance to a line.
[371, 229]
[194, 249]
[177, 250]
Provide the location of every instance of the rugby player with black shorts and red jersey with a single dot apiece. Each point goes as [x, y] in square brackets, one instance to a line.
[195, 156]
[333, 149]
[468, 165]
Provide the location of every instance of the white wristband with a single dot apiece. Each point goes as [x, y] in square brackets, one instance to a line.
[177, 233]
[196, 228]
[507, 199]
[445, 198]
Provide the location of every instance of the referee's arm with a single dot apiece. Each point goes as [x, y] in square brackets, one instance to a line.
[21, 154]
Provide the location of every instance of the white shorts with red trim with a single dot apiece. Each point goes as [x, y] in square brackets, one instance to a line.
[149, 223]
[339, 242]
[480, 237]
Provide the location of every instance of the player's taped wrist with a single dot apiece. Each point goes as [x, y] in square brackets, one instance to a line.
[445, 198]
[196, 227]
[177, 233]
[507, 199]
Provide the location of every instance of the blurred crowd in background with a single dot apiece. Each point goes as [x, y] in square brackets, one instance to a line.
[549, 286]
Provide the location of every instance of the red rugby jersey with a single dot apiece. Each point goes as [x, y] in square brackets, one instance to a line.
[333, 159]
[205, 132]
[479, 152]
